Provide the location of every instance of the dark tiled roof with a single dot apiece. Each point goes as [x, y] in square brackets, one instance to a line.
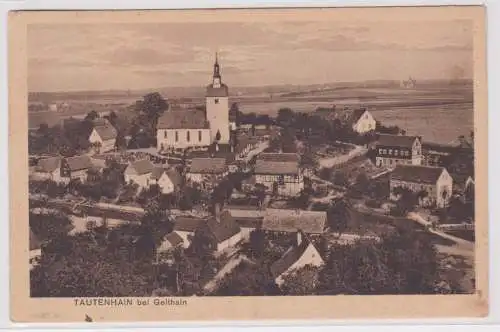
[157, 173]
[396, 140]
[183, 119]
[287, 220]
[174, 239]
[417, 174]
[222, 91]
[143, 166]
[246, 216]
[208, 165]
[277, 163]
[224, 228]
[48, 165]
[78, 163]
[289, 258]
[188, 224]
[106, 132]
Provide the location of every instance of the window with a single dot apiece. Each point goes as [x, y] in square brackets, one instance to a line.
[165, 134]
[216, 100]
[380, 151]
[199, 135]
[390, 152]
[395, 152]
[188, 137]
[177, 136]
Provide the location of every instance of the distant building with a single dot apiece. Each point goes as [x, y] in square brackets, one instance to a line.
[436, 182]
[184, 129]
[280, 173]
[302, 253]
[410, 83]
[103, 137]
[207, 172]
[360, 120]
[392, 150]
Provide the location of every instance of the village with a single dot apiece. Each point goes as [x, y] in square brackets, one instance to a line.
[207, 200]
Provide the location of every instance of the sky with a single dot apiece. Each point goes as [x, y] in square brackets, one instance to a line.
[116, 56]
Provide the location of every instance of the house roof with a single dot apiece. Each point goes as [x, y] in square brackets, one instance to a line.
[222, 91]
[142, 166]
[174, 239]
[183, 119]
[106, 132]
[246, 216]
[208, 165]
[348, 116]
[188, 224]
[224, 228]
[157, 172]
[48, 165]
[174, 176]
[291, 256]
[402, 141]
[417, 174]
[78, 163]
[277, 163]
[287, 220]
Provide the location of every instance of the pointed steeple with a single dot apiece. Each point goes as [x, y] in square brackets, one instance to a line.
[216, 67]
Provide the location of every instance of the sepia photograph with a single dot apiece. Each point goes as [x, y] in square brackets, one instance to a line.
[201, 155]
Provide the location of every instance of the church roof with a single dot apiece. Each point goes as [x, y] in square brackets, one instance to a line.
[183, 119]
[222, 91]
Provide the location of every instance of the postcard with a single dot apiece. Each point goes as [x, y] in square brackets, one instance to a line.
[248, 164]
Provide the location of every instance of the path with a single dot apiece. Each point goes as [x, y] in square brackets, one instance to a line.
[467, 245]
[341, 159]
[257, 150]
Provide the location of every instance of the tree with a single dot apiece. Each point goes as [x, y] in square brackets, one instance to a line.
[301, 282]
[92, 115]
[339, 216]
[258, 243]
[360, 187]
[49, 226]
[151, 107]
[340, 179]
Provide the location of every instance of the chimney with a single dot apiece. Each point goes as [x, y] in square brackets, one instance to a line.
[217, 211]
[299, 237]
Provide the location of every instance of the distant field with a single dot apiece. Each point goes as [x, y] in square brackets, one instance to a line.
[439, 114]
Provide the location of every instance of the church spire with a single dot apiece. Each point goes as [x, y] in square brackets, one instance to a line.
[216, 77]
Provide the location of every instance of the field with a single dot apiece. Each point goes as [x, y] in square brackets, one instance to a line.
[439, 113]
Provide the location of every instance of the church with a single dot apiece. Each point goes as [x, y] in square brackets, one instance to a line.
[183, 129]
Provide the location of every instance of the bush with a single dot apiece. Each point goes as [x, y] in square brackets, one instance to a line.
[373, 203]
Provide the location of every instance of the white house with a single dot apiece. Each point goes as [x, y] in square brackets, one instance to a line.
[169, 180]
[139, 172]
[182, 129]
[280, 173]
[76, 168]
[392, 150]
[436, 182]
[299, 255]
[103, 137]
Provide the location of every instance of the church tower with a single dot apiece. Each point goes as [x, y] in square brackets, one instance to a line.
[217, 104]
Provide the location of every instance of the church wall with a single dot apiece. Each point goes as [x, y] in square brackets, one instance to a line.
[181, 141]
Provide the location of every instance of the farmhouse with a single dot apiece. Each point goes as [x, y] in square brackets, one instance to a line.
[167, 244]
[103, 137]
[48, 169]
[223, 231]
[360, 120]
[182, 129]
[434, 183]
[76, 167]
[145, 174]
[279, 173]
[248, 217]
[207, 171]
[186, 226]
[392, 150]
[300, 254]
